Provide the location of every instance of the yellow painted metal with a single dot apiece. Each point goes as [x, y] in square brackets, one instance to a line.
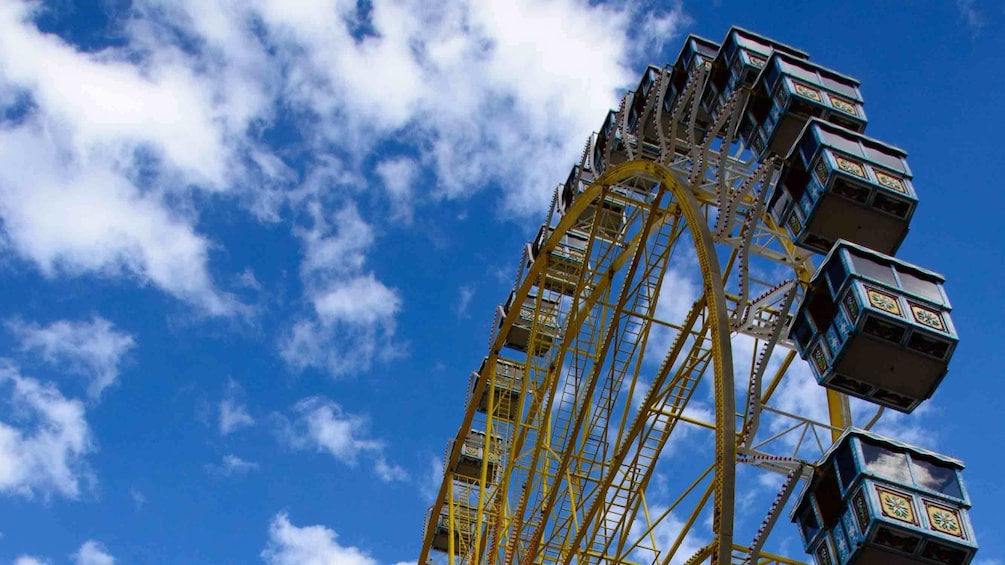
[766, 396]
[837, 410]
[451, 550]
[544, 502]
[713, 292]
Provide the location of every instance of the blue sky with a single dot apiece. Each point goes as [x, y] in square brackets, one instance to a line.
[250, 251]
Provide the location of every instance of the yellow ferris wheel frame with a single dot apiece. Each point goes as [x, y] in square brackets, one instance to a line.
[690, 204]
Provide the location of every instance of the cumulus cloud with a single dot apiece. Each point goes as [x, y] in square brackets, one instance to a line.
[308, 545]
[469, 95]
[360, 301]
[322, 425]
[233, 413]
[93, 553]
[90, 348]
[353, 317]
[43, 438]
[69, 197]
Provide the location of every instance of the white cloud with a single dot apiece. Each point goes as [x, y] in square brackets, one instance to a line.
[659, 28]
[73, 215]
[324, 426]
[29, 560]
[233, 413]
[110, 101]
[353, 318]
[389, 473]
[464, 296]
[93, 348]
[480, 89]
[309, 545]
[430, 486]
[476, 94]
[139, 499]
[70, 201]
[93, 553]
[360, 301]
[678, 292]
[43, 438]
[665, 534]
[970, 16]
[398, 176]
[232, 465]
[335, 246]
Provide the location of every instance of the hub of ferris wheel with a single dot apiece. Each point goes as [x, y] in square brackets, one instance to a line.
[748, 162]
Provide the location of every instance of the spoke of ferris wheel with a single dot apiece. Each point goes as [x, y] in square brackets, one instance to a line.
[599, 285]
[616, 465]
[608, 341]
[601, 413]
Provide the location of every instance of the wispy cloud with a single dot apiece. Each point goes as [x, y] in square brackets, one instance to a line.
[322, 425]
[139, 499]
[971, 16]
[90, 348]
[429, 486]
[464, 296]
[231, 465]
[233, 412]
[352, 321]
[43, 438]
[398, 175]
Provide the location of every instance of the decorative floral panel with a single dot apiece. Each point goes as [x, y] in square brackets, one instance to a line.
[897, 506]
[891, 182]
[819, 359]
[851, 167]
[944, 520]
[824, 555]
[821, 170]
[851, 305]
[843, 105]
[928, 317]
[794, 225]
[884, 301]
[803, 90]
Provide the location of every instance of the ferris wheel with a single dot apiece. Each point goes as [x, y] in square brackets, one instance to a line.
[712, 311]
